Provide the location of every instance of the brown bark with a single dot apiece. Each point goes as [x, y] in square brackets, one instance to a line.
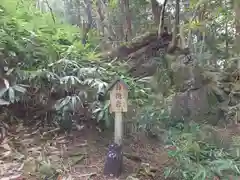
[147, 44]
[161, 23]
[156, 11]
[88, 24]
[237, 26]
[125, 50]
[128, 34]
[101, 17]
[174, 44]
[100, 12]
[201, 18]
[120, 28]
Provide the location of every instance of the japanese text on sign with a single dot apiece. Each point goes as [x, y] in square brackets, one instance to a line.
[118, 104]
[118, 98]
[118, 95]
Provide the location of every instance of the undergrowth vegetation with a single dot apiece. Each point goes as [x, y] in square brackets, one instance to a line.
[45, 60]
[44, 56]
[196, 158]
[196, 152]
[47, 76]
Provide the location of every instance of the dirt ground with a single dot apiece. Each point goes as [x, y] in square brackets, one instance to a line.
[79, 157]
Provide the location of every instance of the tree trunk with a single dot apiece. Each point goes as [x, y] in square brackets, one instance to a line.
[237, 27]
[120, 26]
[103, 18]
[201, 18]
[156, 11]
[128, 23]
[88, 24]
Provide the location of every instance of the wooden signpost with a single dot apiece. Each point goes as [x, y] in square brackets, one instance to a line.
[118, 104]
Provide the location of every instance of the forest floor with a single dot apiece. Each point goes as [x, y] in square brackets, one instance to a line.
[28, 155]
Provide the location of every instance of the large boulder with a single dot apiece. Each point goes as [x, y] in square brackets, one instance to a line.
[187, 76]
[200, 105]
[196, 98]
[180, 106]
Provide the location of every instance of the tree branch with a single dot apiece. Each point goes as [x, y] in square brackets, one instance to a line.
[51, 11]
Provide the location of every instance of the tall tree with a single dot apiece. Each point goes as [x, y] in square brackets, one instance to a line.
[156, 11]
[128, 23]
[87, 25]
[237, 27]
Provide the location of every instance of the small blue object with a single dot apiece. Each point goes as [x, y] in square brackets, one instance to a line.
[114, 161]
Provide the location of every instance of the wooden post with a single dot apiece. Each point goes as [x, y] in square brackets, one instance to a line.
[118, 105]
[118, 128]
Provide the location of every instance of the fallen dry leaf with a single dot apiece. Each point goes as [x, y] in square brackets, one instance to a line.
[13, 177]
[5, 154]
[67, 178]
[30, 166]
[6, 146]
[132, 178]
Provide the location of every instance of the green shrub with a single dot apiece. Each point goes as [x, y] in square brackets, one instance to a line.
[197, 159]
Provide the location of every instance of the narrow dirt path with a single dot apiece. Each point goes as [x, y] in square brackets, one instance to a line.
[82, 156]
[137, 150]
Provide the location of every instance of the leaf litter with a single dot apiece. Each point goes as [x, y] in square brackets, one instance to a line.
[30, 155]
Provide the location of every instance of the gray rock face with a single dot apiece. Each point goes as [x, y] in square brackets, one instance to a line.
[195, 100]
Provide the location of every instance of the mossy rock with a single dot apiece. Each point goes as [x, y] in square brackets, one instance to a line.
[185, 76]
[200, 105]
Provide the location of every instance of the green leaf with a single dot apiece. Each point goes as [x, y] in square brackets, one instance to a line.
[201, 174]
[237, 169]
[62, 102]
[19, 88]
[167, 172]
[3, 102]
[107, 119]
[100, 116]
[221, 165]
[65, 62]
[11, 94]
[6, 83]
[2, 92]
[74, 101]
[107, 104]
[97, 110]
[71, 79]
[9, 71]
